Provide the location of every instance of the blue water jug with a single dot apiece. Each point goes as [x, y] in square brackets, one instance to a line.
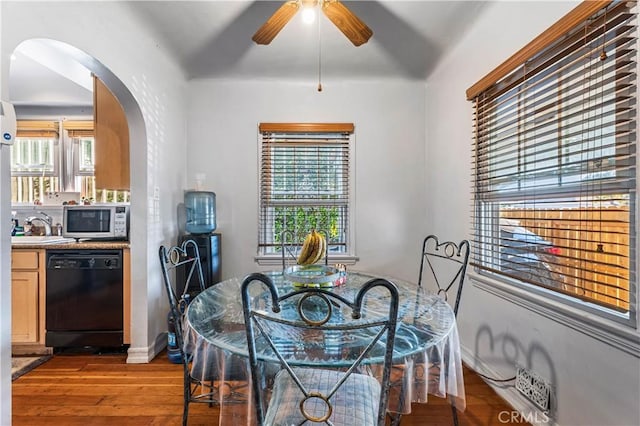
[200, 211]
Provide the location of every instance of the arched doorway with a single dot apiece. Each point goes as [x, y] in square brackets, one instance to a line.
[68, 63]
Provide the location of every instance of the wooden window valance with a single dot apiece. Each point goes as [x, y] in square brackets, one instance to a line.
[574, 18]
[78, 129]
[37, 129]
[306, 127]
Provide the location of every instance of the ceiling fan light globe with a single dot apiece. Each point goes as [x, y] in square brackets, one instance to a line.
[308, 15]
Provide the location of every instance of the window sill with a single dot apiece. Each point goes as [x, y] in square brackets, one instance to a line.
[333, 259]
[31, 206]
[621, 336]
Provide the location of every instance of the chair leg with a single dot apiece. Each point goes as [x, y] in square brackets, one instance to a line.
[395, 418]
[398, 370]
[187, 399]
[185, 413]
[454, 412]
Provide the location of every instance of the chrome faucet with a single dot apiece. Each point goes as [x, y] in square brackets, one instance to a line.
[45, 219]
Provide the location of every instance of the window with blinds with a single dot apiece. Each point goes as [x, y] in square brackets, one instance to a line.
[555, 165]
[304, 184]
[34, 160]
[53, 156]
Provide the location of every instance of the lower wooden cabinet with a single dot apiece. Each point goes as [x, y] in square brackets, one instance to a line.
[27, 300]
[24, 307]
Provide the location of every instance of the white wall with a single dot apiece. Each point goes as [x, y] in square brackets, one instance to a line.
[156, 88]
[223, 121]
[596, 384]
[5, 274]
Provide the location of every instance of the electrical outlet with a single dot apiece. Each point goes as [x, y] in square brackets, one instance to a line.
[534, 387]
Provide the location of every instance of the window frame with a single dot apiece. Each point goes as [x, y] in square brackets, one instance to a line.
[77, 141]
[582, 315]
[53, 175]
[349, 256]
[55, 172]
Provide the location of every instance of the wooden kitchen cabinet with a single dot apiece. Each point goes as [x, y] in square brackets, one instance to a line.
[27, 301]
[24, 307]
[111, 133]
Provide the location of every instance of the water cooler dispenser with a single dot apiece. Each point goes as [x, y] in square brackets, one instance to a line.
[200, 207]
[200, 222]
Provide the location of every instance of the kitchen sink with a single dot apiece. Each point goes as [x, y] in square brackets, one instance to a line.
[41, 239]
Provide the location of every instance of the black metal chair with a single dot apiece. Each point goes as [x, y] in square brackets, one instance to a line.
[199, 382]
[443, 266]
[446, 266]
[316, 392]
[185, 256]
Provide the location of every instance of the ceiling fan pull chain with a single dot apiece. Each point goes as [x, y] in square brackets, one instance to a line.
[319, 57]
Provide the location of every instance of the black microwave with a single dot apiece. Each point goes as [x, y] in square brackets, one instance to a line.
[107, 221]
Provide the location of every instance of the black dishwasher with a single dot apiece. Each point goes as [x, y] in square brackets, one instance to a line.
[84, 298]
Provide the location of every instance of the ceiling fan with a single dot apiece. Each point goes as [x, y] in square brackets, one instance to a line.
[351, 26]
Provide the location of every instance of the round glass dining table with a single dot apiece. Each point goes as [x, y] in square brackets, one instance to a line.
[426, 336]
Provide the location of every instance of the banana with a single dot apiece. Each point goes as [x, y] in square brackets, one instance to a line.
[315, 248]
[307, 246]
[322, 246]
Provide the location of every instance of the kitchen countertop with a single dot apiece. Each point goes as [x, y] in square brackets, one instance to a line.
[83, 244]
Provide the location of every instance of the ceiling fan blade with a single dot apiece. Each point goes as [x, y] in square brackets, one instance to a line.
[276, 22]
[350, 25]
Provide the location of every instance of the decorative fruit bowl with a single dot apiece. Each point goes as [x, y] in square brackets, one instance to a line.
[312, 275]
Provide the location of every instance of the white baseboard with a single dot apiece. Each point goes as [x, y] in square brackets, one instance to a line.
[527, 411]
[146, 354]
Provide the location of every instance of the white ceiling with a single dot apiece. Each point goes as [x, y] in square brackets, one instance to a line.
[212, 39]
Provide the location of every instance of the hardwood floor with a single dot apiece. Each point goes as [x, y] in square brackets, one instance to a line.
[104, 390]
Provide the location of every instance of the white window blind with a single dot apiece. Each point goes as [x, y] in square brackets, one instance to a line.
[304, 184]
[34, 168]
[34, 160]
[555, 166]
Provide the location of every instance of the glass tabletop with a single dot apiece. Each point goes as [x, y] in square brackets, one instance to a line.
[424, 321]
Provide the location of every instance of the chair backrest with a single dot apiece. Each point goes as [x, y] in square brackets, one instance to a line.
[318, 329]
[446, 265]
[184, 256]
[290, 244]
